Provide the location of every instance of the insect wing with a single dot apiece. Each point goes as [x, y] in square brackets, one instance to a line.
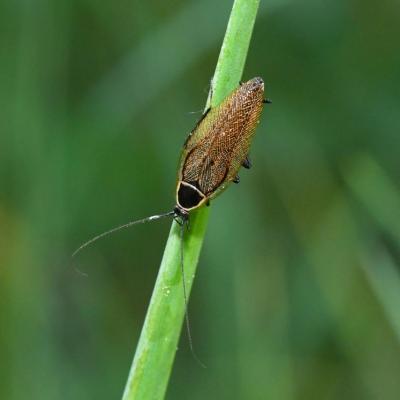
[219, 144]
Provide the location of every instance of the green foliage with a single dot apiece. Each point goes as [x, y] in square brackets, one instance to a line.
[296, 293]
[155, 353]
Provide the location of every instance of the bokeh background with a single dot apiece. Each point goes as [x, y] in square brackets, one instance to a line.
[297, 294]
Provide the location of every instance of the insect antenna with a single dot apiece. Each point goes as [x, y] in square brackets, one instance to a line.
[127, 225]
[187, 321]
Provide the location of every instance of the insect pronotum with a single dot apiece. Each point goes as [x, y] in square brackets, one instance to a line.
[211, 157]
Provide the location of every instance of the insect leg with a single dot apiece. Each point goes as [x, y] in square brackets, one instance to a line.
[236, 179]
[179, 221]
[197, 125]
[267, 101]
[210, 93]
[246, 163]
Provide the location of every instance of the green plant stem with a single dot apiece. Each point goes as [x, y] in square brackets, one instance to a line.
[152, 364]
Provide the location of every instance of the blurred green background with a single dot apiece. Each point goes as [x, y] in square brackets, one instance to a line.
[297, 294]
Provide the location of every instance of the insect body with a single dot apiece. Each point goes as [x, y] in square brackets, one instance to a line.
[212, 155]
[217, 147]
[213, 152]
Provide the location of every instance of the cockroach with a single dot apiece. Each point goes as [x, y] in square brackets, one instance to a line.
[213, 153]
[211, 157]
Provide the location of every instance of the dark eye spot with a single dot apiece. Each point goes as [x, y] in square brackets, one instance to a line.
[188, 197]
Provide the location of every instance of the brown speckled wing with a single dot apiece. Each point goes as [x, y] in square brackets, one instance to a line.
[217, 147]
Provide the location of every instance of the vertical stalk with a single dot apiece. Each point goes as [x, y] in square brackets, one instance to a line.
[152, 364]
